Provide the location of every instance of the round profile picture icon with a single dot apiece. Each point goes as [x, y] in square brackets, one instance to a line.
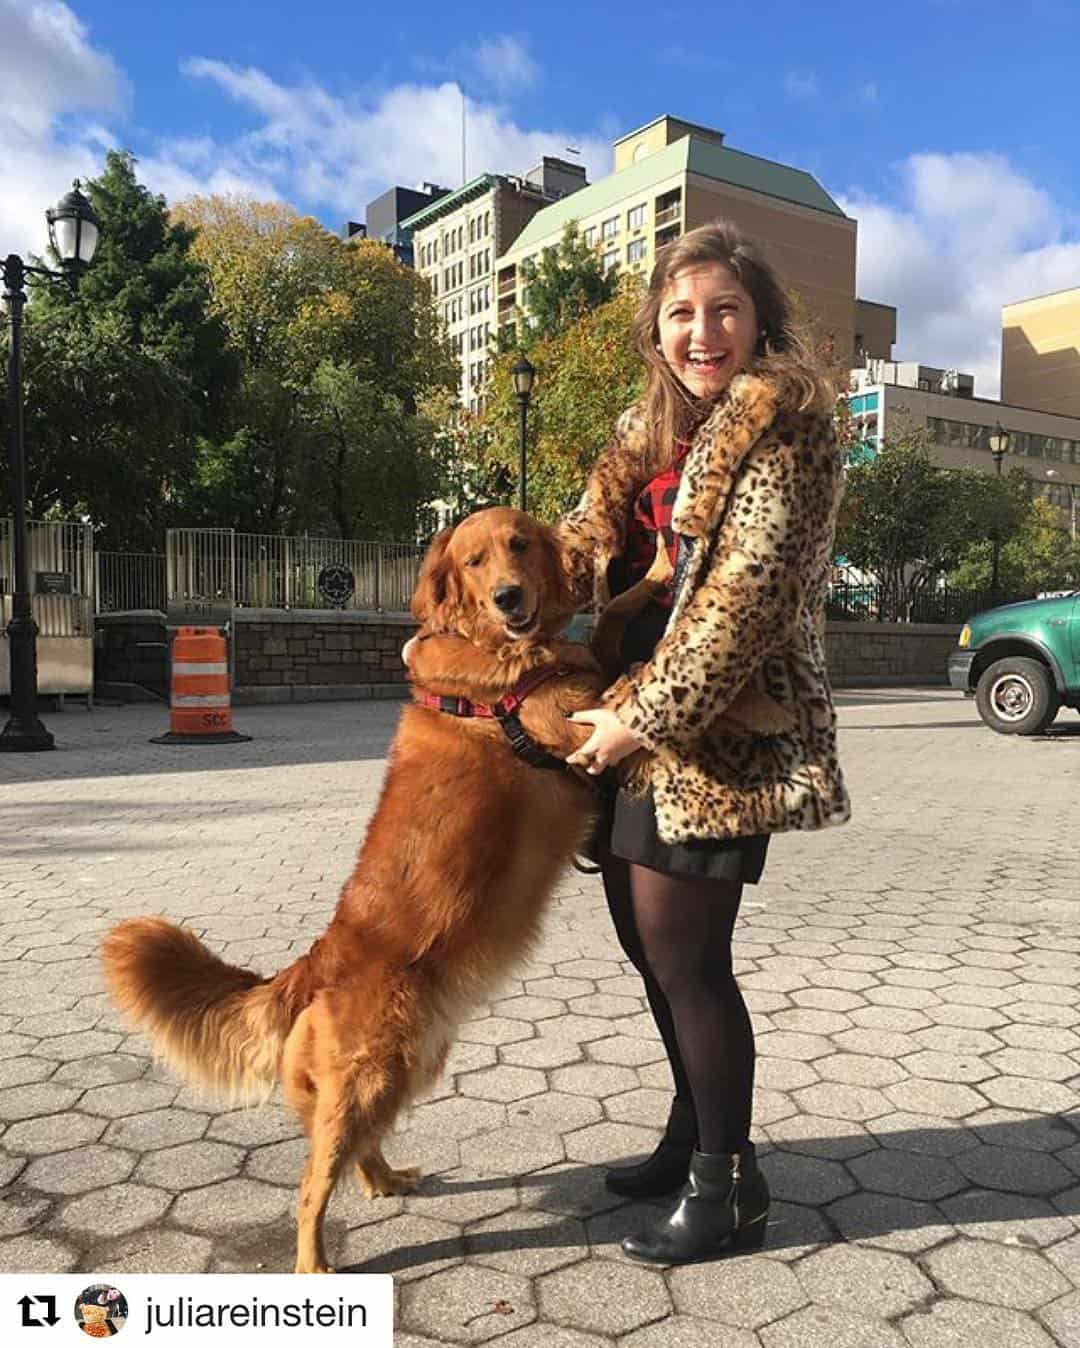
[101, 1310]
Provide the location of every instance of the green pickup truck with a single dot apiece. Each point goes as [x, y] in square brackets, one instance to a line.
[1021, 662]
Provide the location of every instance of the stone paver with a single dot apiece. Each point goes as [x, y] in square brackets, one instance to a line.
[914, 980]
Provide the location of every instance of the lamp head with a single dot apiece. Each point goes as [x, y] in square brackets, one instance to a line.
[999, 440]
[74, 230]
[523, 373]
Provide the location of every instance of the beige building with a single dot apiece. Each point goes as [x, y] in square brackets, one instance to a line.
[457, 240]
[888, 397]
[671, 176]
[1040, 353]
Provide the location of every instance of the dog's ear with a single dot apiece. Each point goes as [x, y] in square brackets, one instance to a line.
[437, 583]
[557, 595]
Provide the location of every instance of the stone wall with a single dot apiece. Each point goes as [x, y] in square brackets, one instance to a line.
[314, 654]
[862, 654]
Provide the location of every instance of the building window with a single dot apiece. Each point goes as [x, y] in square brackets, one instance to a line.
[610, 259]
[610, 228]
[590, 237]
[635, 218]
[668, 207]
[635, 250]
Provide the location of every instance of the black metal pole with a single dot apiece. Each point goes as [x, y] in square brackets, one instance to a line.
[999, 454]
[23, 732]
[523, 409]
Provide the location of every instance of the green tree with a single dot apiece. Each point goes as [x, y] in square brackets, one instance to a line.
[909, 520]
[567, 283]
[339, 343]
[586, 375]
[123, 373]
[1040, 555]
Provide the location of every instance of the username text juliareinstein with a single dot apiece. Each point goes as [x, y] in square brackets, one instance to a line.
[236, 1309]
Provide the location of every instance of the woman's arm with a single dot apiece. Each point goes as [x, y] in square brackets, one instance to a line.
[776, 533]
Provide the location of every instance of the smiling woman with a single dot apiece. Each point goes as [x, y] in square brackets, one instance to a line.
[730, 462]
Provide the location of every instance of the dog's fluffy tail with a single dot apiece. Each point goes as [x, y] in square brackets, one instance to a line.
[220, 1027]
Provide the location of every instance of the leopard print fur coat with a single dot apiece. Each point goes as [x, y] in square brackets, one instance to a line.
[759, 494]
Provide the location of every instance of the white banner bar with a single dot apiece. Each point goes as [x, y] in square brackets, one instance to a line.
[198, 667]
[43, 1309]
[199, 700]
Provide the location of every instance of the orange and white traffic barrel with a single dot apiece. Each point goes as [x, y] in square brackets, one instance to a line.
[200, 711]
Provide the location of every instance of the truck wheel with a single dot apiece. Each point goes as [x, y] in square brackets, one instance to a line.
[1016, 696]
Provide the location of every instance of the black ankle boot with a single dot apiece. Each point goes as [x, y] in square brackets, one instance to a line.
[667, 1168]
[724, 1208]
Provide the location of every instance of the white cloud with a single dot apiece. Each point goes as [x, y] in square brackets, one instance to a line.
[800, 84]
[505, 64]
[49, 71]
[328, 152]
[965, 234]
[64, 102]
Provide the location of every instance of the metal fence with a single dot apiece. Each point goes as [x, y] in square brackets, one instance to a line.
[865, 599]
[220, 566]
[129, 580]
[60, 559]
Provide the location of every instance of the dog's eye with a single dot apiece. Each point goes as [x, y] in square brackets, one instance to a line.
[473, 561]
[519, 544]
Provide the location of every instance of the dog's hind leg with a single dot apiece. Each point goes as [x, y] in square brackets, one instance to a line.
[378, 1178]
[332, 1141]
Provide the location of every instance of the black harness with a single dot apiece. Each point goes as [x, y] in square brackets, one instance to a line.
[505, 712]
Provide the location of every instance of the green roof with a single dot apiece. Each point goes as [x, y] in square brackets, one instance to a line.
[476, 188]
[691, 154]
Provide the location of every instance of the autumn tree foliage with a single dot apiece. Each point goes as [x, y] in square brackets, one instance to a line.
[338, 344]
[586, 375]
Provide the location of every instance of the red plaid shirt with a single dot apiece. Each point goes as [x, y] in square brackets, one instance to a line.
[651, 513]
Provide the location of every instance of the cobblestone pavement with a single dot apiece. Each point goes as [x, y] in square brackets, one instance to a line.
[914, 985]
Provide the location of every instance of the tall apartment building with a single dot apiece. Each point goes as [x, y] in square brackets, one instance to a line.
[671, 176]
[457, 241]
[1040, 352]
[889, 397]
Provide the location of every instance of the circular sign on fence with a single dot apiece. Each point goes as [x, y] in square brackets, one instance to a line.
[337, 584]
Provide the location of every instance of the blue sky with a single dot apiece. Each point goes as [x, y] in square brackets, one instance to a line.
[947, 127]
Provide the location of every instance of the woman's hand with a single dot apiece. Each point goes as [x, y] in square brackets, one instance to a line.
[609, 743]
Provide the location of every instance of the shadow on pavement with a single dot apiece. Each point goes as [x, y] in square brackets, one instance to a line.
[998, 1181]
[115, 742]
[848, 729]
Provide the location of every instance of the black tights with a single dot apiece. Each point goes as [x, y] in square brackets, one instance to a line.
[677, 932]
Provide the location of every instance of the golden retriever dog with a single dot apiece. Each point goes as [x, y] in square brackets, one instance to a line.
[464, 848]
[459, 860]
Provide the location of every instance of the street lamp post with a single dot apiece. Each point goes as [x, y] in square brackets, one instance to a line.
[999, 447]
[523, 374]
[73, 233]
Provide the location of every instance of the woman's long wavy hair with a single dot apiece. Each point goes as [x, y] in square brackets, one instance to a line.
[783, 351]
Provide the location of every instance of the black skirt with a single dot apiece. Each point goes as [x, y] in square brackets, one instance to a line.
[632, 819]
[634, 837]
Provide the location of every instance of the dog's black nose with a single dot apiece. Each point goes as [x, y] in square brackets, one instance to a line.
[508, 597]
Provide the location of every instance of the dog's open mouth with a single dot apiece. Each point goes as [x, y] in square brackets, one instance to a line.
[522, 626]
